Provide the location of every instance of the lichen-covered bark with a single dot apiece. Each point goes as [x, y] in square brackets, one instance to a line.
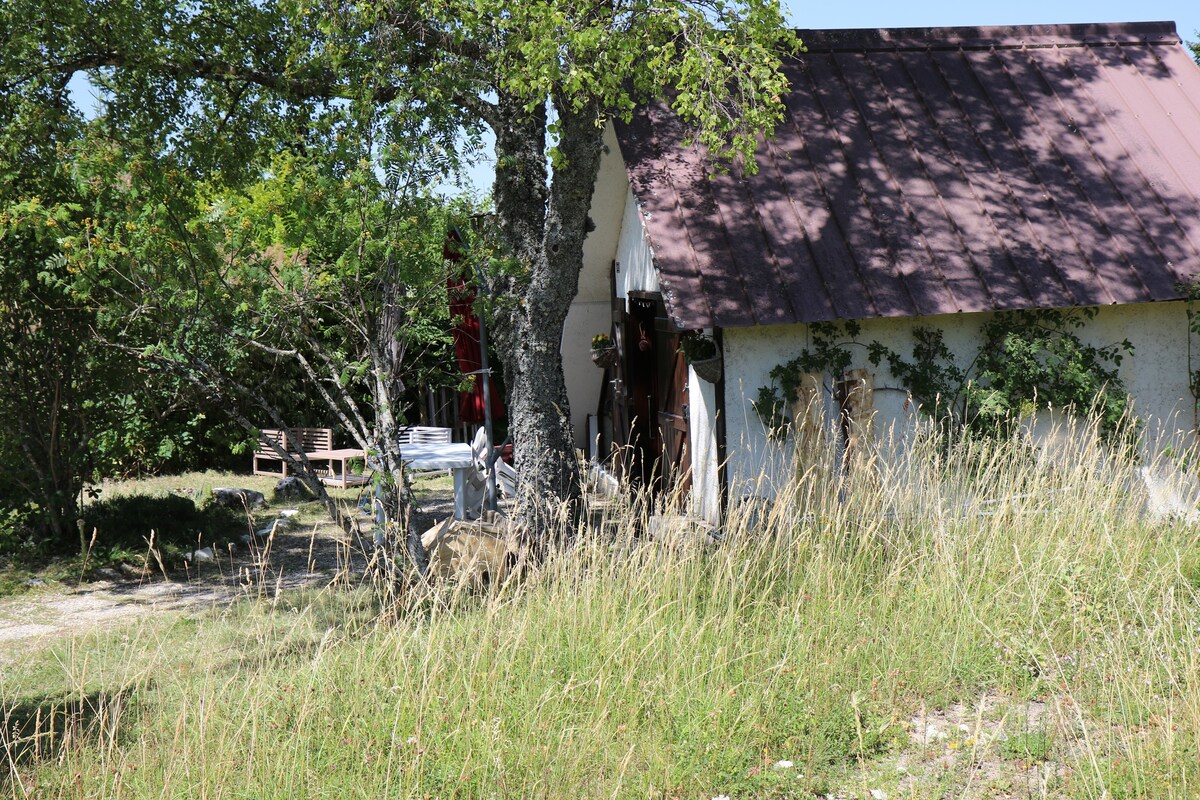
[388, 357]
[544, 225]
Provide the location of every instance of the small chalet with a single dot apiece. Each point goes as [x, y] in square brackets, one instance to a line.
[921, 177]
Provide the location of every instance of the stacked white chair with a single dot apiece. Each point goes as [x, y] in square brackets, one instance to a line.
[506, 476]
[423, 434]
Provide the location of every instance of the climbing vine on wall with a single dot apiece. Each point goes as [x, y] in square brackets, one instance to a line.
[1027, 360]
[1191, 291]
[828, 353]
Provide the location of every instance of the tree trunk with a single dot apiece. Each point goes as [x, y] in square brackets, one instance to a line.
[392, 502]
[544, 229]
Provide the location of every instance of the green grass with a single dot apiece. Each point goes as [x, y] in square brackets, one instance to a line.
[622, 668]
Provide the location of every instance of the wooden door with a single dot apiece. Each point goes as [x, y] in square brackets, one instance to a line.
[647, 397]
[642, 441]
[616, 389]
[675, 454]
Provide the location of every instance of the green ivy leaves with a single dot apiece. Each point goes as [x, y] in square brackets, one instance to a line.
[1026, 361]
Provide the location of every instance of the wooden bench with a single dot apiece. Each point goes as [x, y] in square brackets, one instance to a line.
[295, 440]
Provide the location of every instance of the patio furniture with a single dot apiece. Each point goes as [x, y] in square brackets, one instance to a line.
[506, 476]
[292, 440]
[422, 434]
[340, 477]
[454, 456]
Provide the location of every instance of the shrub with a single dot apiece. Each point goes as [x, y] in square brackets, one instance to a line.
[125, 523]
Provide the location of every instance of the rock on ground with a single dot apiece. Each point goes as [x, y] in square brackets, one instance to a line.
[484, 551]
[291, 488]
[239, 498]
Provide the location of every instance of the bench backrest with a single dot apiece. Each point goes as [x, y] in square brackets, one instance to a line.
[301, 440]
[419, 434]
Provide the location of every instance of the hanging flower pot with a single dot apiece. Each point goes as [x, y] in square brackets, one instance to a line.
[605, 357]
[709, 369]
[702, 353]
[604, 352]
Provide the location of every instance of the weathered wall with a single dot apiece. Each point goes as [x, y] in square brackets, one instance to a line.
[635, 261]
[607, 211]
[1156, 376]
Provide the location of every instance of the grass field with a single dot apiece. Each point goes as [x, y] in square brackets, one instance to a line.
[966, 622]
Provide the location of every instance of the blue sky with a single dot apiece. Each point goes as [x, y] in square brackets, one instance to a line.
[892, 14]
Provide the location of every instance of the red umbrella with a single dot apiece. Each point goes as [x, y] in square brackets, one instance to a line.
[466, 342]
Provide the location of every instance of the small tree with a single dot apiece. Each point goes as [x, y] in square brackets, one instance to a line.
[322, 275]
[75, 411]
[48, 370]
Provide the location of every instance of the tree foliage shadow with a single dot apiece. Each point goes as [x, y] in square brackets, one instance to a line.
[41, 728]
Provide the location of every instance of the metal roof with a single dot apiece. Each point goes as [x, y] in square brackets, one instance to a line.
[932, 171]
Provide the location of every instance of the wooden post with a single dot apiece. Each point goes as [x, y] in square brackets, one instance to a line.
[856, 400]
[809, 424]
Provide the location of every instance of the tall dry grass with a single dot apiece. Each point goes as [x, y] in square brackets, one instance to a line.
[629, 667]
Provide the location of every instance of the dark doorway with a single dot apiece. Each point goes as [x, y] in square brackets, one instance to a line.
[648, 396]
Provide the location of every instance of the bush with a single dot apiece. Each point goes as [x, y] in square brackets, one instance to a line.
[125, 523]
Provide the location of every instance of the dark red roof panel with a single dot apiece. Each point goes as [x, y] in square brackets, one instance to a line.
[932, 171]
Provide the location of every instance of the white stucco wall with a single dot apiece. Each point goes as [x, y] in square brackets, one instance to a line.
[1156, 377]
[582, 377]
[607, 213]
[635, 261]
[591, 312]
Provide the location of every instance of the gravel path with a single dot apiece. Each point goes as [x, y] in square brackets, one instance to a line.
[302, 557]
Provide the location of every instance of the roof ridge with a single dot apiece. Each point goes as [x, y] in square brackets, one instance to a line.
[1080, 34]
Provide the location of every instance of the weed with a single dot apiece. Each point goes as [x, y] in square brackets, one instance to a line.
[1032, 746]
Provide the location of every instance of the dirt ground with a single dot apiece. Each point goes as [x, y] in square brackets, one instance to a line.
[296, 557]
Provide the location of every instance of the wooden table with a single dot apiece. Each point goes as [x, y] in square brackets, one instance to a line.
[339, 478]
[454, 456]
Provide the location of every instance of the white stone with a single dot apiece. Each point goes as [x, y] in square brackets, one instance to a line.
[1165, 491]
[203, 554]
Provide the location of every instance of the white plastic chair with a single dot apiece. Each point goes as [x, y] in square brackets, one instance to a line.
[422, 434]
[506, 476]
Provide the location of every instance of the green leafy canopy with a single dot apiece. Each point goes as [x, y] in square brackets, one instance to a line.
[221, 88]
